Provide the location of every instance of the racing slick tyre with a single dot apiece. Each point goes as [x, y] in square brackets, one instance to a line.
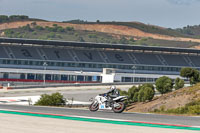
[120, 108]
[94, 106]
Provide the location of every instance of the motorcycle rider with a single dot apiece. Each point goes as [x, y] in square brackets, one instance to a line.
[111, 94]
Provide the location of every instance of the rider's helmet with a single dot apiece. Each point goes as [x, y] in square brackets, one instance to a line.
[112, 88]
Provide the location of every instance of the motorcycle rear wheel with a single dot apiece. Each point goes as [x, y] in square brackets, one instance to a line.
[120, 108]
[94, 106]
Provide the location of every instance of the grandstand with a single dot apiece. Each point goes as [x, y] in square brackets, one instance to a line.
[29, 60]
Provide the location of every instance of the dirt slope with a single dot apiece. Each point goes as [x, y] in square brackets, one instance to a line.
[171, 100]
[111, 29]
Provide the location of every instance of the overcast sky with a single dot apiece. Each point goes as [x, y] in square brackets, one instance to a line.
[166, 13]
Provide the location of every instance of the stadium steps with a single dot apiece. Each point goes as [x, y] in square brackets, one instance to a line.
[189, 61]
[42, 54]
[73, 55]
[133, 58]
[162, 60]
[104, 57]
[9, 52]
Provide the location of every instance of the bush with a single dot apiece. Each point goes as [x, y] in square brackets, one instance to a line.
[39, 27]
[70, 28]
[164, 84]
[55, 99]
[141, 96]
[131, 93]
[141, 93]
[135, 97]
[190, 73]
[92, 36]
[179, 83]
[123, 93]
[51, 35]
[148, 93]
[27, 28]
[3, 18]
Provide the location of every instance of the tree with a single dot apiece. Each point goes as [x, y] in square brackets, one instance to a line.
[164, 84]
[148, 85]
[190, 73]
[135, 97]
[179, 83]
[27, 28]
[148, 93]
[141, 96]
[3, 18]
[186, 72]
[131, 92]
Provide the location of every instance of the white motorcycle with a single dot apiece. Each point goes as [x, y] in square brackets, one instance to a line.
[101, 102]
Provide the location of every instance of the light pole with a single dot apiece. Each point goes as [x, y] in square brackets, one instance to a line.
[134, 67]
[44, 75]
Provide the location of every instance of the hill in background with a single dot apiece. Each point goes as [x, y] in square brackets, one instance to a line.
[134, 33]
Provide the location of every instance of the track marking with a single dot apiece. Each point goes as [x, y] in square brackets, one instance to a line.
[101, 120]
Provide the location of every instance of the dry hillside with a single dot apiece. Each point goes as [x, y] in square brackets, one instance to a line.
[106, 28]
[170, 100]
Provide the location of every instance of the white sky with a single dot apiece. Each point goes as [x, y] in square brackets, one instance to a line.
[167, 13]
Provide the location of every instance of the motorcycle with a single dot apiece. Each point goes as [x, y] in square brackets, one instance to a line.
[101, 102]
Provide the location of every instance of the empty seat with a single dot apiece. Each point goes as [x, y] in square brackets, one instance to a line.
[25, 53]
[147, 59]
[88, 56]
[57, 54]
[175, 60]
[118, 57]
[195, 60]
[3, 53]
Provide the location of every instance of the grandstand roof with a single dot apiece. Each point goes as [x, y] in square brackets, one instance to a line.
[96, 45]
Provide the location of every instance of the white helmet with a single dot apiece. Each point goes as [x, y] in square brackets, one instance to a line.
[112, 88]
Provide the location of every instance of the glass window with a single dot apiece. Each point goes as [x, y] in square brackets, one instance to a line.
[39, 76]
[56, 77]
[5, 75]
[80, 78]
[22, 76]
[47, 76]
[88, 78]
[126, 79]
[30, 76]
[72, 77]
[64, 77]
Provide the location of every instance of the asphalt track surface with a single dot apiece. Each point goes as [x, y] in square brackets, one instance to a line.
[152, 118]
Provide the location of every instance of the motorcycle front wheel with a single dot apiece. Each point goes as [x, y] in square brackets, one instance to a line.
[120, 108]
[94, 106]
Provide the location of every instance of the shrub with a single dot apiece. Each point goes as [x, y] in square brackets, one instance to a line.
[179, 83]
[55, 99]
[39, 27]
[164, 84]
[51, 35]
[131, 92]
[27, 28]
[148, 93]
[70, 28]
[123, 93]
[3, 18]
[92, 36]
[135, 97]
[190, 73]
[141, 96]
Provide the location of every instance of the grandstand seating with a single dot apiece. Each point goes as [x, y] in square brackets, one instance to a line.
[92, 56]
[84, 62]
[3, 53]
[175, 60]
